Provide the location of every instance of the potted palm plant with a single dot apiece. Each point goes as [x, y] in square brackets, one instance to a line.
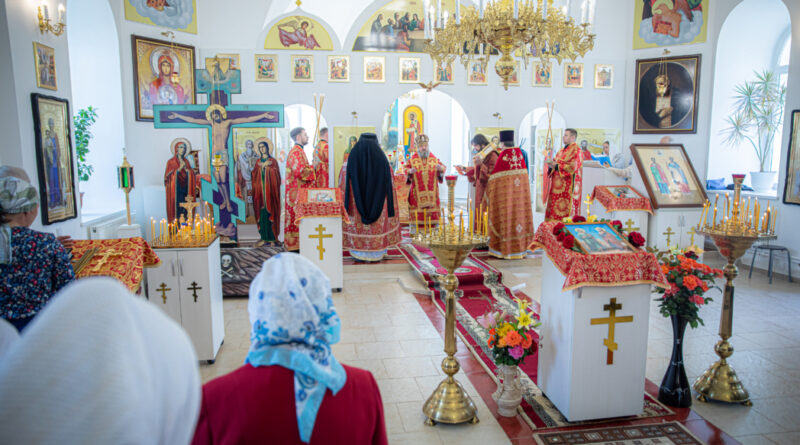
[83, 121]
[756, 118]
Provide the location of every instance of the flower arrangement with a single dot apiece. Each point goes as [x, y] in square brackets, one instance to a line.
[511, 337]
[689, 281]
[568, 240]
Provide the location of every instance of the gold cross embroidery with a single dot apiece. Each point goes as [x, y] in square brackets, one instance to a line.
[320, 230]
[611, 321]
[103, 259]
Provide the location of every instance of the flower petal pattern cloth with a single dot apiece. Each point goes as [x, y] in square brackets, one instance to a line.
[99, 365]
[294, 325]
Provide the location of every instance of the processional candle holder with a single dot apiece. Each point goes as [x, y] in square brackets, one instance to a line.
[741, 226]
[126, 183]
[451, 244]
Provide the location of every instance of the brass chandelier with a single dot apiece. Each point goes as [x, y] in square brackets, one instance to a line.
[526, 28]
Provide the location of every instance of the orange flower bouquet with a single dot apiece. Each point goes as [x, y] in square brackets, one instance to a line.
[511, 337]
[689, 281]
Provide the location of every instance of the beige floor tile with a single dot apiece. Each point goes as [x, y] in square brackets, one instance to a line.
[378, 350]
[757, 439]
[427, 347]
[792, 438]
[375, 366]
[409, 367]
[425, 437]
[399, 390]
[784, 411]
[394, 424]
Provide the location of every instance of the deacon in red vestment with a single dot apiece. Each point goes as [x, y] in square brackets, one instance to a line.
[425, 172]
[483, 165]
[180, 179]
[370, 200]
[509, 196]
[266, 179]
[320, 161]
[299, 174]
[292, 389]
[565, 172]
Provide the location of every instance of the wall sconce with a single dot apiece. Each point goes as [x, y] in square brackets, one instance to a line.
[44, 20]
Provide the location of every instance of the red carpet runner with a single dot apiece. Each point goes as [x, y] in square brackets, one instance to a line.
[482, 288]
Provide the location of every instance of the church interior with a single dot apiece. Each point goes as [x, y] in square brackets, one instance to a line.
[399, 221]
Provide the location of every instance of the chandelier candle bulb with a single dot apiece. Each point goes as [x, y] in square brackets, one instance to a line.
[458, 12]
[480, 9]
[516, 9]
[543, 8]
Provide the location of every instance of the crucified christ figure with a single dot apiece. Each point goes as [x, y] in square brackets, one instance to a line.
[217, 118]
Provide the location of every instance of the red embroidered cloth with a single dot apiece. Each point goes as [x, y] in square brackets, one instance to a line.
[319, 203]
[607, 270]
[122, 259]
[609, 197]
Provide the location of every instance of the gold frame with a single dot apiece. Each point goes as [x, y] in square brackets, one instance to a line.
[632, 248]
[596, 71]
[583, 74]
[310, 58]
[234, 56]
[349, 69]
[39, 84]
[533, 75]
[486, 74]
[382, 59]
[274, 58]
[436, 74]
[519, 80]
[400, 61]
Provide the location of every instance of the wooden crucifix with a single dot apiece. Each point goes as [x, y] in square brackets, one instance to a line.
[219, 117]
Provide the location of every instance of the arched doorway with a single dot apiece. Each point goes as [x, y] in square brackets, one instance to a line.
[441, 118]
[533, 130]
[92, 33]
[761, 31]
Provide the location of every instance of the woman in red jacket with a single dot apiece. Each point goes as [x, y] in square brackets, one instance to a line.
[291, 389]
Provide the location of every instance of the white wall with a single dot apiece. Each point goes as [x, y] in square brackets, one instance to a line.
[746, 44]
[22, 28]
[94, 50]
[584, 107]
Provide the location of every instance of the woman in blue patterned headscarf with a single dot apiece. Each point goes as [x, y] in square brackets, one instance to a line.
[33, 265]
[291, 388]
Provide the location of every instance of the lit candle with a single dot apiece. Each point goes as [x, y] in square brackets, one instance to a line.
[60, 13]
[460, 223]
[727, 205]
[516, 9]
[480, 9]
[714, 222]
[486, 222]
[774, 219]
[458, 12]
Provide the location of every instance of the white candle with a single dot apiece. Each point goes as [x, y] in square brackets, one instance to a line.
[584, 9]
[544, 9]
[516, 9]
[46, 12]
[445, 19]
[458, 12]
[60, 13]
[439, 10]
[480, 9]
[592, 5]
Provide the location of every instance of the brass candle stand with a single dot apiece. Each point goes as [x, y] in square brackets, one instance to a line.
[451, 244]
[739, 229]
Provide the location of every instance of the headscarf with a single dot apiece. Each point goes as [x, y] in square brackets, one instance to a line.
[98, 365]
[8, 337]
[16, 196]
[370, 176]
[294, 325]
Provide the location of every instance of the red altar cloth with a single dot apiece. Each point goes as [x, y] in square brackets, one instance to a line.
[401, 188]
[122, 259]
[612, 203]
[605, 270]
[315, 203]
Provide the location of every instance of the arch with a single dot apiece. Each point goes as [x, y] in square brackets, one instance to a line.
[444, 120]
[92, 36]
[316, 36]
[755, 28]
[536, 122]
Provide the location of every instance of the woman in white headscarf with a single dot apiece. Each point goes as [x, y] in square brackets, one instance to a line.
[291, 389]
[99, 366]
[33, 265]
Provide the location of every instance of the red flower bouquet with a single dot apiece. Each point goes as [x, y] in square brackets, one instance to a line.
[689, 281]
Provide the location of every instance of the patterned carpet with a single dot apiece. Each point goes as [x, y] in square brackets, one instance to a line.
[649, 434]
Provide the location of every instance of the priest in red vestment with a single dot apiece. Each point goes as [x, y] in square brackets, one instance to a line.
[299, 174]
[266, 180]
[509, 196]
[320, 161]
[425, 172]
[483, 166]
[565, 173]
[291, 389]
[180, 180]
[370, 201]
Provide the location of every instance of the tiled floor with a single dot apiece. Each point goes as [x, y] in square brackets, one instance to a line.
[387, 332]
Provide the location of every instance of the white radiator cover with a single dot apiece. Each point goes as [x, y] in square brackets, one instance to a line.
[106, 227]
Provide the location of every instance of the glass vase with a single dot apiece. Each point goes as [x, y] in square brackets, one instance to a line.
[675, 389]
